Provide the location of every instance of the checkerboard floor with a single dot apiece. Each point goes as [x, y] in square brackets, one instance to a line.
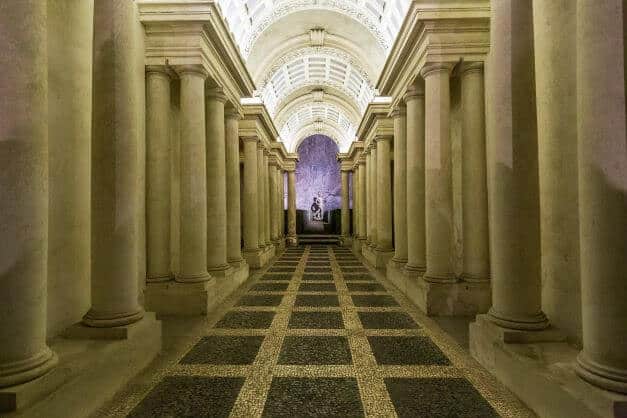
[320, 336]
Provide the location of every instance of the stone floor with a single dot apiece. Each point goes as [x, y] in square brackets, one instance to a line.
[318, 333]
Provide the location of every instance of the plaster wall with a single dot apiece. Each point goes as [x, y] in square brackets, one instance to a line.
[70, 34]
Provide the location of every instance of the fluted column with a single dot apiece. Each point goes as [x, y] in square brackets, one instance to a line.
[216, 183]
[513, 170]
[273, 180]
[261, 196]
[267, 196]
[251, 208]
[157, 175]
[384, 195]
[438, 174]
[193, 194]
[476, 249]
[345, 222]
[24, 354]
[416, 241]
[233, 204]
[115, 206]
[400, 185]
[291, 207]
[602, 192]
[362, 195]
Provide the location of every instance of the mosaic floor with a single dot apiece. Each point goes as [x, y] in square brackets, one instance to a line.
[316, 334]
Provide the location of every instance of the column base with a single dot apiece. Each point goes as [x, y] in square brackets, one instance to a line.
[260, 257]
[279, 245]
[378, 258]
[159, 278]
[106, 320]
[358, 244]
[537, 322]
[26, 370]
[182, 299]
[237, 263]
[292, 240]
[346, 241]
[603, 377]
[94, 363]
[220, 271]
[541, 369]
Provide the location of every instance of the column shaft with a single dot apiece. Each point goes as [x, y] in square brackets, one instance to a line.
[193, 194]
[513, 170]
[158, 266]
[267, 197]
[375, 200]
[369, 191]
[363, 210]
[476, 259]
[291, 206]
[233, 204]
[251, 208]
[384, 195]
[416, 241]
[216, 183]
[400, 185]
[438, 174]
[261, 197]
[355, 189]
[115, 206]
[24, 354]
[602, 191]
[345, 222]
[273, 202]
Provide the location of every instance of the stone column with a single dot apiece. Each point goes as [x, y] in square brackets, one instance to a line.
[261, 200]
[193, 204]
[354, 188]
[476, 249]
[400, 185]
[345, 222]
[363, 210]
[438, 174]
[282, 203]
[216, 183]
[274, 226]
[513, 170]
[233, 204]
[267, 196]
[416, 241]
[602, 192]
[384, 195]
[369, 191]
[374, 186]
[291, 207]
[157, 175]
[118, 121]
[251, 207]
[24, 354]
[555, 45]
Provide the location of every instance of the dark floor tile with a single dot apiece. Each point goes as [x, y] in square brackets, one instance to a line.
[355, 263]
[309, 269]
[358, 276]
[277, 276]
[373, 300]
[315, 350]
[282, 269]
[365, 287]
[270, 287]
[317, 287]
[313, 397]
[316, 320]
[280, 263]
[322, 277]
[321, 263]
[386, 320]
[190, 396]
[317, 300]
[407, 351]
[217, 349]
[260, 300]
[319, 259]
[437, 397]
[238, 319]
[349, 269]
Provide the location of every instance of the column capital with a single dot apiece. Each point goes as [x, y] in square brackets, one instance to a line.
[399, 111]
[216, 94]
[197, 70]
[436, 67]
[471, 67]
[414, 92]
[232, 113]
[249, 138]
[361, 160]
[160, 70]
[382, 138]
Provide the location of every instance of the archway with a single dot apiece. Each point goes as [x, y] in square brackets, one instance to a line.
[318, 186]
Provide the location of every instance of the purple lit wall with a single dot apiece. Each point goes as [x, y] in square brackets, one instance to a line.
[318, 173]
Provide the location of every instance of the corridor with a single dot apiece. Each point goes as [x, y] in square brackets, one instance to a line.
[317, 333]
